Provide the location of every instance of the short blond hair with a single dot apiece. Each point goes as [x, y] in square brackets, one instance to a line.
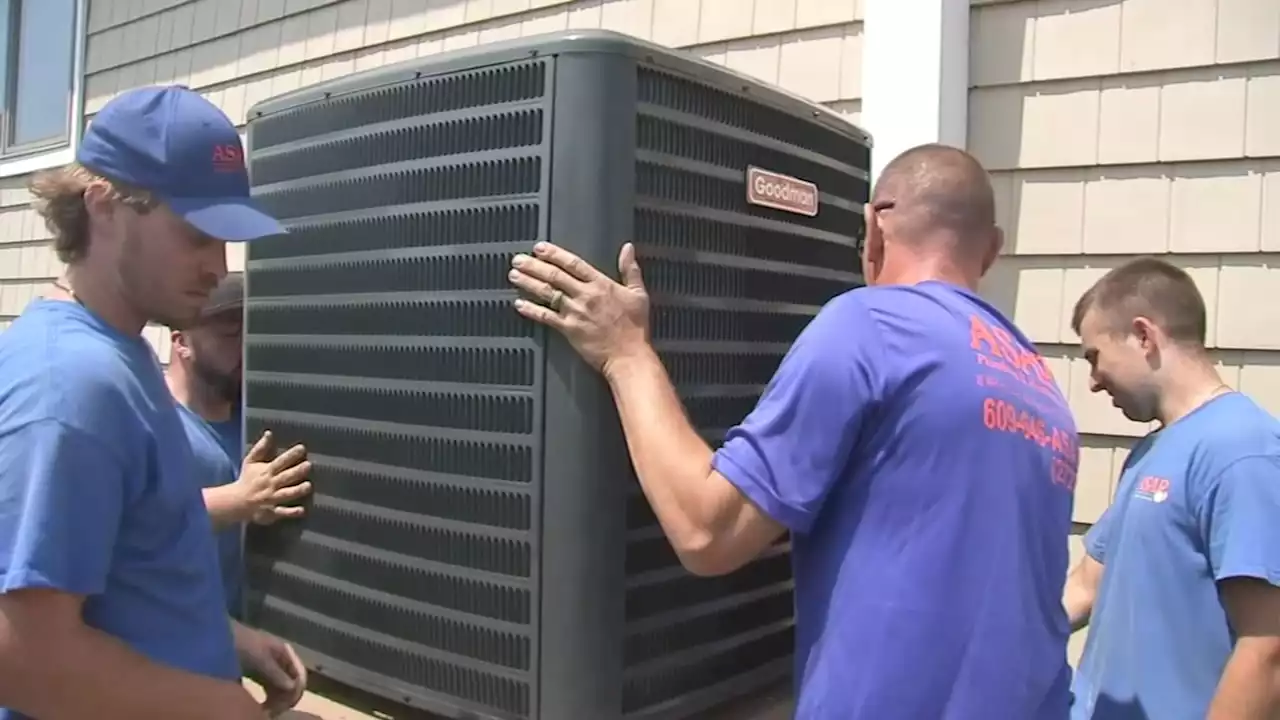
[58, 197]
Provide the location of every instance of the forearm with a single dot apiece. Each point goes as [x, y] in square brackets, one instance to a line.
[85, 673]
[226, 505]
[240, 633]
[671, 460]
[241, 636]
[1250, 684]
[1078, 602]
[1081, 591]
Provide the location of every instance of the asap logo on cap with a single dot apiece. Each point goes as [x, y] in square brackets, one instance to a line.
[781, 192]
[228, 158]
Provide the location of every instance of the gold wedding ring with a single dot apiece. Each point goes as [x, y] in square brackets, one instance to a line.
[554, 303]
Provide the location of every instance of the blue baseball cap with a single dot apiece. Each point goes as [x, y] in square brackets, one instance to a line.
[173, 143]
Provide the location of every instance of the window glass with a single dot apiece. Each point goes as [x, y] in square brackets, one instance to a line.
[45, 56]
[6, 46]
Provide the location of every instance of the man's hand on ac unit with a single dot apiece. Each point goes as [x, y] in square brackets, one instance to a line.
[606, 321]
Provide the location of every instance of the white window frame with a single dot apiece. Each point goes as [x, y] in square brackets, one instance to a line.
[63, 154]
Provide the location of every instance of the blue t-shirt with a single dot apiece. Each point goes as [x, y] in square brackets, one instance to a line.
[217, 450]
[1198, 502]
[924, 459]
[96, 497]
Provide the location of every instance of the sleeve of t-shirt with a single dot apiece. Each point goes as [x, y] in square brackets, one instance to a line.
[1095, 540]
[61, 498]
[793, 447]
[1238, 520]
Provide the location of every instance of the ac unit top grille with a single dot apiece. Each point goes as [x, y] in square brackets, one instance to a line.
[694, 98]
[425, 97]
[416, 138]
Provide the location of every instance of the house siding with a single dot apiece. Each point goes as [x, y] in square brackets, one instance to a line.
[1116, 128]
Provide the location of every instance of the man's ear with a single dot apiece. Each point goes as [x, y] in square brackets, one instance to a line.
[98, 199]
[1145, 332]
[993, 251]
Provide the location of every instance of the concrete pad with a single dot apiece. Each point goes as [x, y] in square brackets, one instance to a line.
[315, 706]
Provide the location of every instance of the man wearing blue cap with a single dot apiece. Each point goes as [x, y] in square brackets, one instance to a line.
[111, 603]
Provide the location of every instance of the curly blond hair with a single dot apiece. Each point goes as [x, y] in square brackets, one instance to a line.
[58, 197]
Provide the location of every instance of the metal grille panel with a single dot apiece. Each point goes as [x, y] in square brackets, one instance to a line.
[735, 283]
[380, 335]
[477, 545]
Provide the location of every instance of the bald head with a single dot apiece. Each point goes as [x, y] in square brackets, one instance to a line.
[937, 191]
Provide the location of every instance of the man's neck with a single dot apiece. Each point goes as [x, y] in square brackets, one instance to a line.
[196, 396]
[81, 285]
[1190, 382]
[927, 268]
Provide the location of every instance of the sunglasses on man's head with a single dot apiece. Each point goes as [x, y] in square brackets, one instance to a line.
[862, 234]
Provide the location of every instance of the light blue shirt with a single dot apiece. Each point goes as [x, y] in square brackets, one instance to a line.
[1198, 502]
[217, 452]
[96, 491]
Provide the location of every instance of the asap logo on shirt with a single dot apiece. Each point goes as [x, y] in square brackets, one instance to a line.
[1152, 488]
[1023, 399]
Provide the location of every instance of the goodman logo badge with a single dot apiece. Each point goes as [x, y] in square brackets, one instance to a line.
[781, 192]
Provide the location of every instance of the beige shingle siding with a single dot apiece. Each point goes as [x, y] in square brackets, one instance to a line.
[1123, 127]
[238, 52]
[1117, 128]
[26, 263]
[241, 52]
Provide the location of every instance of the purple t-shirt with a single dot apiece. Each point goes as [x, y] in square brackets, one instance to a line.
[918, 449]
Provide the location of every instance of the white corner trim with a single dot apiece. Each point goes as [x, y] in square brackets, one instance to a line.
[915, 75]
[63, 155]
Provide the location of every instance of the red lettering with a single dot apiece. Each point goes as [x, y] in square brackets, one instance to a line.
[1064, 474]
[1003, 416]
[1036, 367]
[998, 349]
[227, 155]
[1152, 484]
[1029, 363]
[1042, 370]
[980, 333]
[1008, 350]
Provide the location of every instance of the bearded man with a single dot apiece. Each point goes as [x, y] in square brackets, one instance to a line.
[205, 377]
